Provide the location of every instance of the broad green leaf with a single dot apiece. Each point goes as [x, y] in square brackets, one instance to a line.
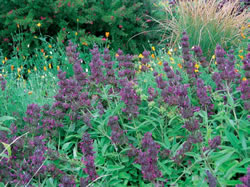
[6, 118]
[114, 167]
[124, 175]
[8, 148]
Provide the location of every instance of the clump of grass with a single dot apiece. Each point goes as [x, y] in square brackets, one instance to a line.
[206, 24]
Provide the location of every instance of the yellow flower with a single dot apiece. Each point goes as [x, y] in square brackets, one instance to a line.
[44, 68]
[18, 70]
[50, 57]
[180, 66]
[213, 57]
[84, 43]
[160, 63]
[151, 69]
[175, 49]
[35, 36]
[139, 67]
[153, 55]
[241, 57]
[35, 69]
[17, 25]
[215, 63]
[77, 20]
[76, 33]
[169, 53]
[3, 61]
[12, 67]
[2, 70]
[50, 66]
[140, 56]
[29, 71]
[197, 66]
[50, 46]
[39, 24]
[240, 51]
[30, 92]
[21, 67]
[5, 58]
[116, 55]
[171, 58]
[1, 75]
[153, 48]
[196, 70]
[107, 34]
[243, 36]
[108, 46]
[58, 68]
[244, 79]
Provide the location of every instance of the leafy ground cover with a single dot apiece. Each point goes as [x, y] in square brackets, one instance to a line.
[88, 115]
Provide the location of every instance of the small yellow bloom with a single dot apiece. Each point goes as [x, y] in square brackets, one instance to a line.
[5, 58]
[196, 70]
[116, 55]
[180, 66]
[21, 67]
[140, 56]
[160, 63]
[50, 46]
[77, 20]
[3, 61]
[240, 51]
[153, 48]
[35, 69]
[44, 68]
[76, 33]
[58, 68]
[12, 67]
[169, 53]
[17, 25]
[39, 24]
[108, 46]
[50, 57]
[107, 34]
[175, 49]
[171, 58]
[2, 70]
[18, 70]
[30, 92]
[50, 66]
[213, 57]
[241, 57]
[151, 69]
[35, 36]
[140, 67]
[29, 71]
[153, 55]
[243, 28]
[215, 63]
[244, 79]
[243, 36]
[197, 66]
[84, 43]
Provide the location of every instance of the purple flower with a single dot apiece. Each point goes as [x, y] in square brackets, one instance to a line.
[211, 179]
[245, 179]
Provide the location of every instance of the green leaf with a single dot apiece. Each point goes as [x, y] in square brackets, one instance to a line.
[8, 148]
[6, 118]
[114, 167]
[4, 129]
[67, 146]
[124, 175]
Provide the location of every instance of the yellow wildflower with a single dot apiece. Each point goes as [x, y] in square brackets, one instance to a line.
[153, 48]
[240, 51]
[241, 57]
[12, 67]
[76, 33]
[58, 68]
[108, 46]
[107, 34]
[116, 55]
[140, 67]
[35, 36]
[50, 57]
[213, 57]
[30, 92]
[84, 43]
[50, 66]
[44, 68]
[140, 56]
[77, 20]
[180, 66]
[35, 69]
[39, 24]
[18, 70]
[153, 55]
[160, 63]
[29, 71]
[215, 63]
[243, 36]
[171, 58]
[197, 66]
[21, 67]
[3, 61]
[17, 25]
[5, 58]
[169, 53]
[2, 70]
[50, 46]
[151, 69]
[196, 70]
[244, 79]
